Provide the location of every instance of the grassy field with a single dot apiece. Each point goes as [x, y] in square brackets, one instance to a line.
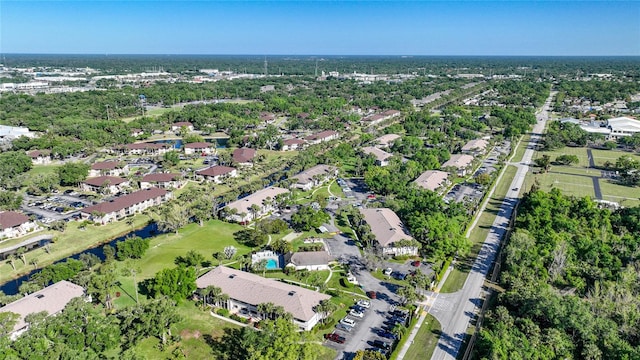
[458, 275]
[71, 241]
[517, 157]
[425, 341]
[578, 180]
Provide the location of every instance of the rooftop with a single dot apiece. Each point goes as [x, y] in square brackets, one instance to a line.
[253, 289]
[243, 155]
[385, 225]
[51, 299]
[215, 171]
[387, 139]
[321, 135]
[106, 165]
[199, 145]
[309, 258]
[9, 219]
[380, 155]
[125, 201]
[161, 177]
[257, 198]
[431, 179]
[306, 176]
[105, 180]
[477, 144]
[460, 161]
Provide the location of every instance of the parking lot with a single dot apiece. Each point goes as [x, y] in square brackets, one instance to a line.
[54, 208]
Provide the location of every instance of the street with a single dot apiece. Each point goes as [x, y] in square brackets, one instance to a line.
[456, 311]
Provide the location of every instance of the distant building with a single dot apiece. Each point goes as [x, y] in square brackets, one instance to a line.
[51, 299]
[378, 118]
[40, 157]
[182, 124]
[203, 148]
[315, 176]
[432, 180]
[389, 231]
[246, 291]
[162, 180]
[105, 184]
[244, 156]
[623, 126]
[241, 210]
[267, 88]
[126, 205]
[15, 224]
[292, 144]
[136, 132]
[322, 136]
[308, 260]
[146, 149]
[475, 147]
[387, 140]
[109, 168]
[216, 173]
[460, 162]
[382, 157]
[14, 132]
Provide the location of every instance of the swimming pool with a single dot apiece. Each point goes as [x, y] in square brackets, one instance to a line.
[272, 264]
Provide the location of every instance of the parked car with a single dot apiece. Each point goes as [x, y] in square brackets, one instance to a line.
[387, 271]
[348, 321]
[399, 275]
[356, 313]
[372, 294]
[344, 327]
[364, 303]
[381, 344]
[335, 338]
[387, 335]
[416, 263]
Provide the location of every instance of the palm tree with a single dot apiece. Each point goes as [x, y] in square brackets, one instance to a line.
[261, 266]
[266, 309]
[326, 307]
[20, 253]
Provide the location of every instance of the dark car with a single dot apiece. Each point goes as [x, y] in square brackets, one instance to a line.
[399, 275]
[381, 344]
[372, 294]
[416, 263]
[335, 338]
[388, 335]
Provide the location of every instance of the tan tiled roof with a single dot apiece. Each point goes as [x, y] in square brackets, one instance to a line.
[253, 289]
[146, 146]
[309, 258]
[215, 171]
[161, 177]
[380, 155]
[387, 139]
[257, 198]
[243, 155]
[385, 225]
[306, 176]
[51, 299]
[106, 165]
[125, 201]
[290, 142]
[101, 180]
[182, 123]
[321, 135]
[9, 219]
[37, 153]
[478, 144]
[460, 161]
[431, 179]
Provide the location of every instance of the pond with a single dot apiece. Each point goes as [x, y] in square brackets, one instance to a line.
[11, 287]
[221, 143]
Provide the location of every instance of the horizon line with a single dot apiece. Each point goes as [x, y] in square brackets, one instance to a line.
[309, 55]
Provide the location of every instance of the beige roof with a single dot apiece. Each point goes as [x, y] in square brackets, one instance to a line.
[51, 299]
[431, 179]
[478, 144]
[308, 258]
[123, 202]
[9, 219]
[460, 161]
[380, 155]
[253, 289]
[385, 140]
[385, 225]
[257, 198]
[102, 180]
[306, 176]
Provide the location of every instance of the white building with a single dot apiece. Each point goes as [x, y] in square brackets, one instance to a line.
[382, 157]
[308, 260]
[246, 291]
[389, 231]
[264, 200]
[203, 148]
[315, 176]
[14, 224]
[126, 205]
[217, 174]
[432, 180]
[460, 162]
[51, 299]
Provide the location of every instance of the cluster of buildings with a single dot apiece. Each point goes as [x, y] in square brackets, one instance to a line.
[612, 129]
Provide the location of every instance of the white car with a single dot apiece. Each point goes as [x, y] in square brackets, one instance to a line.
[364, 304]
[357, 314]
[347, 321]
[387, 271]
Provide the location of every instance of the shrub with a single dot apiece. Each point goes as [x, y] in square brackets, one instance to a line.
[328, 324]
[223, 312]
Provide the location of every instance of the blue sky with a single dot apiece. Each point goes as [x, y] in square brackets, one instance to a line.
[321, 27]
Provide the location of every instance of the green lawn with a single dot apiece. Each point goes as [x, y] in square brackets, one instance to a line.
[72, 241]
[43, 169]
[517, 157]
[425, 341]
[208, 239]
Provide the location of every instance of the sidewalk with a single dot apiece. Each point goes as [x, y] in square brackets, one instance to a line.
[423, 316]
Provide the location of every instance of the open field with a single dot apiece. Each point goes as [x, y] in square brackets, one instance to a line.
[581, 180]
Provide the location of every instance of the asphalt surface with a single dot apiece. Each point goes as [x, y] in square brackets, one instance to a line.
[456, 311]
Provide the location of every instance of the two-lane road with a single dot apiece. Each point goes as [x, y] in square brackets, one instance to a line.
[455, 312]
